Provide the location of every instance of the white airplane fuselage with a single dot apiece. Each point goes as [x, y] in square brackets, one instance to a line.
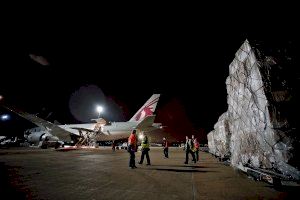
[113, 128]
[143, 120]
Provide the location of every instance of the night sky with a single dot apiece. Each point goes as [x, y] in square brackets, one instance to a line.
[120, 64]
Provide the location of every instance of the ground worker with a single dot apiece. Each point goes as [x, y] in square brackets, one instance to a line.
[132, 148]
[165, 147]
[145, 150]
[196, 147]
[188, 150]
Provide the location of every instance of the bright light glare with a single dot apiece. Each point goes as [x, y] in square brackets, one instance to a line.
[1, 97]
[4, 117]
[141, 136]
[99, 109]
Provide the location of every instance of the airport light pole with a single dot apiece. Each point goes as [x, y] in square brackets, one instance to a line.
[99, 110]
[5, 117]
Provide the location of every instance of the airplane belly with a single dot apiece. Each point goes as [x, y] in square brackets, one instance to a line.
[117, 131]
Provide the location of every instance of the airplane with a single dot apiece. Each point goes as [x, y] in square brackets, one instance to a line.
[47, 132]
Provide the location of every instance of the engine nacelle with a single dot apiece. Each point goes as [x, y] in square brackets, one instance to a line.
[40, 136]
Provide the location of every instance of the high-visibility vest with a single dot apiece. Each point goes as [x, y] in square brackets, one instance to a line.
[145, 143]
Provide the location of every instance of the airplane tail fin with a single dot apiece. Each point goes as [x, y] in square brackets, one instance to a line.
[147, 109]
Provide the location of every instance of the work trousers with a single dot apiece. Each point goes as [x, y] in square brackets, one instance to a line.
[197, 154]
[166, 152]
[132, 159]
[145, 152]
[187, 152]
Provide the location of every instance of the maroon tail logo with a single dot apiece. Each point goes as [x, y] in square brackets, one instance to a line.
[147, 110]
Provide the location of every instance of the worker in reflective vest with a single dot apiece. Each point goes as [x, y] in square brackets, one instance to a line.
[145, 150]
[189, 146]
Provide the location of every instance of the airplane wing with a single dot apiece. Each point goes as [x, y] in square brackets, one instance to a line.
[52, 128]
[82, 129]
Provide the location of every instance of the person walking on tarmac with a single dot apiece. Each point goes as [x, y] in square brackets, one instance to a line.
[132, 148]
[145, 150]
[189, 145]
[193, 138]
[165, 147]
[196, 147]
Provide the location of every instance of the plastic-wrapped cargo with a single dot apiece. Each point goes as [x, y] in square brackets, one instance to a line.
[218, 140]
[257, 130]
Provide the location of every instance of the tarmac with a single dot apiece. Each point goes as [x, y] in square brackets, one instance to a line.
[27, 173]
